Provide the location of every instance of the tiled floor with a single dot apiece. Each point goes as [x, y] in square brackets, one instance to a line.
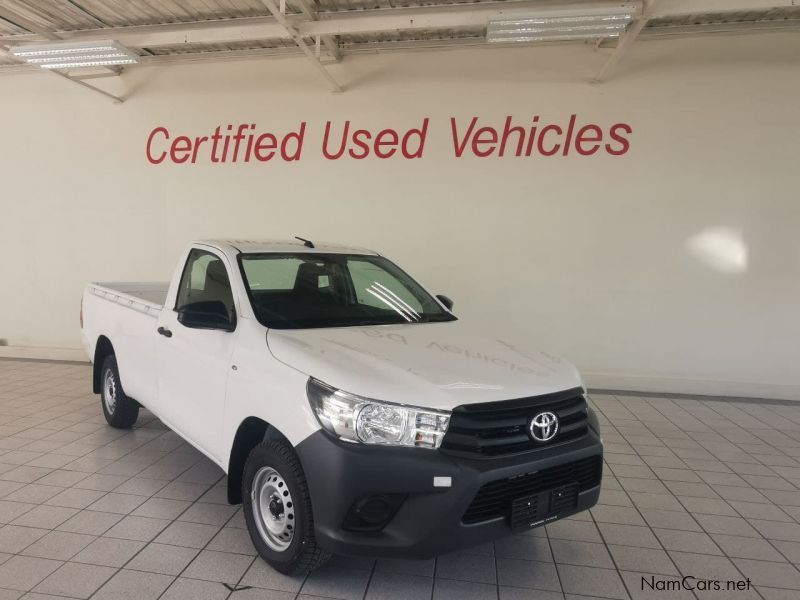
[709, 489]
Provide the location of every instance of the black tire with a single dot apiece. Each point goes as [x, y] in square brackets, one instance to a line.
[120, 411]
[302, 554]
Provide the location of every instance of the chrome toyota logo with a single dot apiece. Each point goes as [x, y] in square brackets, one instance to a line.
[544, 427]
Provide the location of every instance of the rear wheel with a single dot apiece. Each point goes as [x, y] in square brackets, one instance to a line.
[120, 411]
[277, 509]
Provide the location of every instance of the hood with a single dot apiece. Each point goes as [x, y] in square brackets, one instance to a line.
[434, 365]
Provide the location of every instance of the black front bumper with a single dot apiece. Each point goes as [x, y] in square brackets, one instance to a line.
[429, 520]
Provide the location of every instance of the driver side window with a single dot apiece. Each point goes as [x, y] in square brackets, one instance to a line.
[204, 280]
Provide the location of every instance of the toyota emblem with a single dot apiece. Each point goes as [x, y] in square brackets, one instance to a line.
[544, 427]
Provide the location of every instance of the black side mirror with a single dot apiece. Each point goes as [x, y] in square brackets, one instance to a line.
[445, 300]
[207, 315]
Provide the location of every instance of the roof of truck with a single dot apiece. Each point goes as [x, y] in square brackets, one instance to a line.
[256, 246]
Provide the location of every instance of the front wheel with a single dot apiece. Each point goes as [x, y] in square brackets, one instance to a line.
[277, 509]
[120, 411]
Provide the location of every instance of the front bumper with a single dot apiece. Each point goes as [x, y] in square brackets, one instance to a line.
[428, 522]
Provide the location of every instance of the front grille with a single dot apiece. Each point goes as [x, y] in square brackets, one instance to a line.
[499, 428]
[496, 498]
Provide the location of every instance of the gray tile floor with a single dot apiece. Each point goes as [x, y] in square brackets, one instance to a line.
[709, 489]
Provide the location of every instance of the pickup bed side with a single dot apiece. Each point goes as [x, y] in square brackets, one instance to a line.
[122, 316]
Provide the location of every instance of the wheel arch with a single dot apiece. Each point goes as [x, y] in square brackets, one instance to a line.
[251, 432]
[102, 349]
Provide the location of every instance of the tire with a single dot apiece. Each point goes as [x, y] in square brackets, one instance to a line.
[120, 411]
[282, 533]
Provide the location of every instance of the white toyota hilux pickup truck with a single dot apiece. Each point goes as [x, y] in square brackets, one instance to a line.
[351, 410]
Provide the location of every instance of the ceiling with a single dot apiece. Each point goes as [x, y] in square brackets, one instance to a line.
[168, 31]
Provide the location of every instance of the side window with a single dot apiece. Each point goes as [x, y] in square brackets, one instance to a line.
[204, 279]
[378, 288]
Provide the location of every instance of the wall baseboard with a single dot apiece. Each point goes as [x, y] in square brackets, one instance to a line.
[696, 387]
[644, 384]
[44, 353]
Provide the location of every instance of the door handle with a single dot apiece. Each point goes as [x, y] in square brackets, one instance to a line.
[164, 331]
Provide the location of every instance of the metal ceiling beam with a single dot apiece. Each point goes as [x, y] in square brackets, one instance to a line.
[295, 34]
[307, 8]
[21, 21]
[116, 99]
[736, 27]
[89, 15]
[670, 8]
[336, 23]
[363, 21]
[625, 41]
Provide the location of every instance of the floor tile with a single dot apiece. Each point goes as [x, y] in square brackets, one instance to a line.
[592, 581]
[58, 545]
[409, 567]
[687, 541]
[449, 589]
[133, 585]
[345, 584]
[726, 525]
[90, 522]
[780, 575]
[75, 580]
[25, 572]
[670, 519]
[525, 547]
[193, 589]
[218, 566]
[48, 517]
[109, 552]
[262, 575]
[14, 539]
[628, 535]
[164, 559]
[161, 508]
[194, 535]
[115, 502]
[527, 574]
[142, 529]
[74, 498]
[646, 560]
[747, 547]
[581, 553]
[466, 567]
[232, 539]
[396, 586]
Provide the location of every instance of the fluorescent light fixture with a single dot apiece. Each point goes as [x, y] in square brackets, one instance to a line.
[562, 25]
[72, 55]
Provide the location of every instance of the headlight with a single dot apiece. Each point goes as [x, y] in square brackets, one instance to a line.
[357, 419]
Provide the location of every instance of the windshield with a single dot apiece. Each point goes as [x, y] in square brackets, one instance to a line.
[303, 290]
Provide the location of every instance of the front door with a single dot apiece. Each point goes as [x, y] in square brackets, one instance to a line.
[195, 345]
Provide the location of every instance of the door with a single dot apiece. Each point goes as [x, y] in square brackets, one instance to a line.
[194, 350]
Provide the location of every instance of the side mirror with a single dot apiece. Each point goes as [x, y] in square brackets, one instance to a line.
[207, 315]
[445, 300]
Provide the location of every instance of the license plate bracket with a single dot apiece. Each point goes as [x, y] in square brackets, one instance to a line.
[534, 510]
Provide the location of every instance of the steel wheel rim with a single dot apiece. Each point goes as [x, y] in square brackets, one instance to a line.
[273, 509]
[110, 392]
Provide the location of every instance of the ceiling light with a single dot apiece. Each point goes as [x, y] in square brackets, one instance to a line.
[72, 55]
[562, 25]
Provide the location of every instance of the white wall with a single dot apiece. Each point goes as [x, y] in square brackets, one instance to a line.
[587, 256]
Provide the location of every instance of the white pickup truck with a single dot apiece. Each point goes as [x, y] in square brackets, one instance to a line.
[351, 410]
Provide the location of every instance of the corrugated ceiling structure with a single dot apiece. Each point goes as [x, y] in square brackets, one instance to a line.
[169, 31]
